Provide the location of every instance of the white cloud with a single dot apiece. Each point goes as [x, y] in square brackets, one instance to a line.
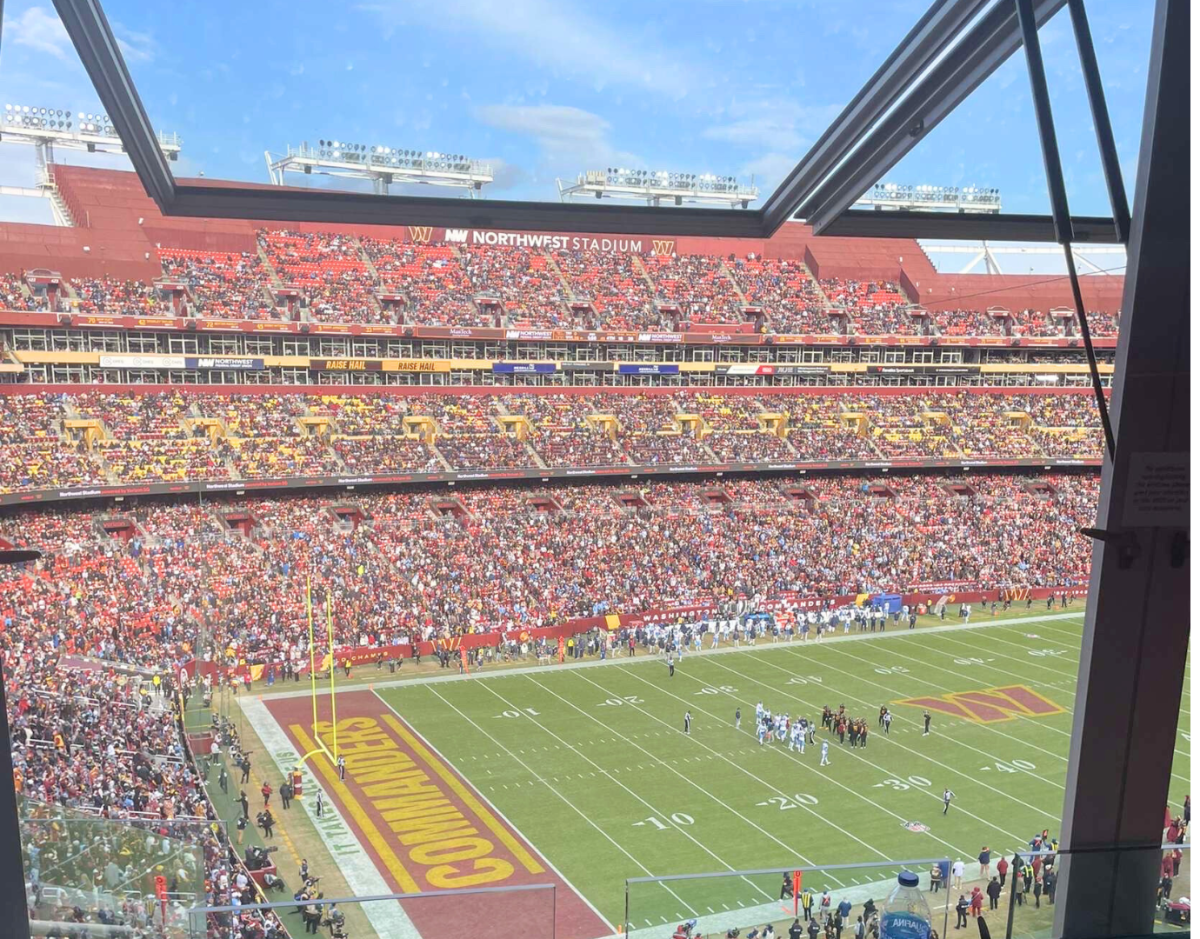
[779, 125]
[553, 35]
[568, 137]
[40, 29]
[135, 47]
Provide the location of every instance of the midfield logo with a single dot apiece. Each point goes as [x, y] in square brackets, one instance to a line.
[990, 706]
[664, 247]
[420, 233]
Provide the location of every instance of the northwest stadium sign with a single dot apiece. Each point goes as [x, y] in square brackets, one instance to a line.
[550, 242]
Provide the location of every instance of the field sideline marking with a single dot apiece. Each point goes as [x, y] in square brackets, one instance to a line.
[562, 798]
[794, 759]
[692, 782]
[658, 812]
[866, 760]
[506, 837]
[487, 673]
[362, 876]
[956, 772]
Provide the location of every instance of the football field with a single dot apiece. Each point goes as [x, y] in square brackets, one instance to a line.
[590, 764]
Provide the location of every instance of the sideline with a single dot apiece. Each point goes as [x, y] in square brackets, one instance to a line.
[362, 877]
[781, 910]
[796, 644]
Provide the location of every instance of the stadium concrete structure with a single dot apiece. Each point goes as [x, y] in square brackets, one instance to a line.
[131, 376]
[152, 353]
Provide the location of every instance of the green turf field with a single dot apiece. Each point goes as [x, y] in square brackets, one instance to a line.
[592, 766]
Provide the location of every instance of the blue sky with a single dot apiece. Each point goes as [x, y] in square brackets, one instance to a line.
[547, 88]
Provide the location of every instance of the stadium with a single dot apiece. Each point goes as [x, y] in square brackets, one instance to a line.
[638, 563]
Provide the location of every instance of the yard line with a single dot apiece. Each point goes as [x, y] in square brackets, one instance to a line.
[1020, 717]
[682, 776]
[656, 811]
[795, 759]
[1029, 660]
[953, 739]
[922, 662]
[1076, 636]
[561, 797]
[870, 762]
[895, 691]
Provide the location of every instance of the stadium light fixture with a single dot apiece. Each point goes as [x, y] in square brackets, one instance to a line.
[953, 48]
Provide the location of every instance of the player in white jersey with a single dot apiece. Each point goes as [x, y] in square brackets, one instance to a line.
[824, 752]
[762, 731]
[758, 711]
[802, 728]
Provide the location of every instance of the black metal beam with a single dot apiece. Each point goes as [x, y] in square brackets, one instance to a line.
[924, 42]
[101, 57]
[988, 44]
[867, 223]
[1104, 133]
[13, 904]
[1134, 656]
[332, 206]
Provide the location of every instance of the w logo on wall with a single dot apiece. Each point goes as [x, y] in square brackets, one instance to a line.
[420, 233]
[664, 247]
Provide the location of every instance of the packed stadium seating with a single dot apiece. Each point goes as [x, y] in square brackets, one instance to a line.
[14, 295]
[512, 565]
[117, 298]
[432, 280]
[118, 436]
[530, 290]
[340, 277]
[616, 286]
[331, 272]
[222, 285]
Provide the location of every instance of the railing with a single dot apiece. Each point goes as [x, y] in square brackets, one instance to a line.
[1017, 896]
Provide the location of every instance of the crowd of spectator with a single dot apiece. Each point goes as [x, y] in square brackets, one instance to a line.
[101, 743]
[615, 284]
[57, 440]
[222, 285]
[1004, 322]
[497, 561]
[340, 279]
[873, 308]
[15, 295]
[431, 279]
[114, 297]
[530, 290]
[330, 272]
[697, 285]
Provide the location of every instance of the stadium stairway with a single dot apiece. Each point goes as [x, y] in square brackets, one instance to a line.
[362, 255]
[562, 278]
[728, 275]
[265, 259]
[641, 267]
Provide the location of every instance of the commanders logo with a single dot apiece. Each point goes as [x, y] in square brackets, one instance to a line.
[422, 234]
[989, 706]
[664, 247]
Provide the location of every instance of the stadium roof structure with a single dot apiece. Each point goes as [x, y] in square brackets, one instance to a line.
[950, 51]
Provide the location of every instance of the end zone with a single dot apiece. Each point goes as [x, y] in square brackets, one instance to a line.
[425, 827]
